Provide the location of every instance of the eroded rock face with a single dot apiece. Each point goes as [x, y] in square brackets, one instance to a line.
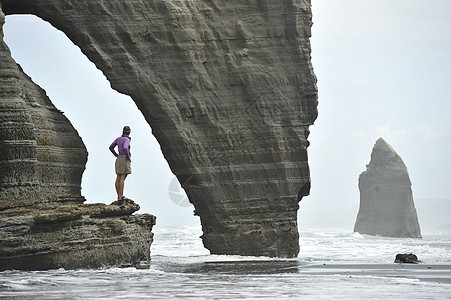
[42, 156]
[43, 221]
[229, 91]
[73, 236]
[386, 201]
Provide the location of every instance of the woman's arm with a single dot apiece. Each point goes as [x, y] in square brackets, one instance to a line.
[112, 148]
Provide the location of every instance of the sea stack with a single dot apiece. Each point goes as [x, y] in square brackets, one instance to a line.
[386, 201]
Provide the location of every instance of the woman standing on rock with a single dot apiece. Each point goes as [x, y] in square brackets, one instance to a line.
[123, 161]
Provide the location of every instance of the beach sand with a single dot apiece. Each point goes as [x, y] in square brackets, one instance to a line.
[425, 272]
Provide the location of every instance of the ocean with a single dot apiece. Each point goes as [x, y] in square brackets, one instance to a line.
[332, 264]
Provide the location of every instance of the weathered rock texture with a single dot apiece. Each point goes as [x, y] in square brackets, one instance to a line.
[386, 201]
[42, 156]
[43, 223]
[73, 236]
[229, 91]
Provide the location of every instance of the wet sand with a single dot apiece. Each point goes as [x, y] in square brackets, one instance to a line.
[425, 272]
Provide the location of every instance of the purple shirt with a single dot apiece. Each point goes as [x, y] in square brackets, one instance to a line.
[123, 145]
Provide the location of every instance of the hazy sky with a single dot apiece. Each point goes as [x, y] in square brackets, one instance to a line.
[383, 68]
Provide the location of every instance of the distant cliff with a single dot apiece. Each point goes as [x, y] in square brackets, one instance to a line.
[229, 91]
[386, 201]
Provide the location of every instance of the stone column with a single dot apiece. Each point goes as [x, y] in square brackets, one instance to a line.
[386, 201]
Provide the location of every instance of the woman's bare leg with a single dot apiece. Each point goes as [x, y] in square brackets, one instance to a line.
[119, 184]
[116, 184]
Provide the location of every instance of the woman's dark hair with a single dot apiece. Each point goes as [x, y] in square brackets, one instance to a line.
[126, 130]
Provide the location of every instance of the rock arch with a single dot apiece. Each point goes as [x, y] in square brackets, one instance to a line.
[229, 91]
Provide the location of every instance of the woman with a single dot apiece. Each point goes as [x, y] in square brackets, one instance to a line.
[123, 161]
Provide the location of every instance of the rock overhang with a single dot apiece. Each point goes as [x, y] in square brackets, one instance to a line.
[229, 91]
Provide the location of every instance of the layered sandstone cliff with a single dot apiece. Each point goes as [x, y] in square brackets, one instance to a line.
[43, 221]
[386, 201]
[74, 235]
[229, 91]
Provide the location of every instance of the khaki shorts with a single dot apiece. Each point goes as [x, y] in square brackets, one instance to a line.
[123, 166]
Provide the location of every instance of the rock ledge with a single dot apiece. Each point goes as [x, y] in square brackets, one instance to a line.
[74, 236]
